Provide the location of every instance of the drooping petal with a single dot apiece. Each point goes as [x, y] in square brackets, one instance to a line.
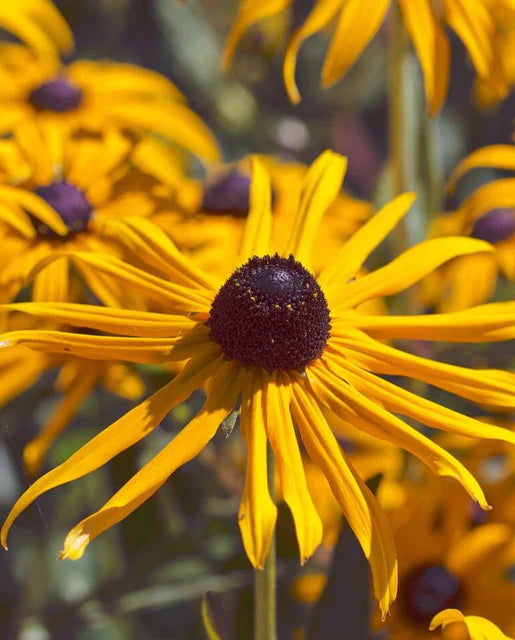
[122, 434]
[149, 243]
[483, 386]
[258, 226]
[35, 451]
[432, 49]
[400, 401]
[321, 14]
[142, 350]
[222, 395]
[143, 324]
[321, 185]
[369, 416]
[34, 205]
[257, 513]
[359, 21]
[498, 156]
[250, 12]
[173, 296]
[360, 245]
[406, 269]
[493, 322]
[359, 506]
[478, 628]
[279, 427]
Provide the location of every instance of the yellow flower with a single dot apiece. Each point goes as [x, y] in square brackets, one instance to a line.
[287, 344]
[447, 559]
[477, 628]
[358, 21]
[97, 94]
[63, 191]
[38, 23]
[488, 213]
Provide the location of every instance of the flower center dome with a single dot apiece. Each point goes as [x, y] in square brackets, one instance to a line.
[427, 590]
[228, 195]
[495, 226]
[270, 313]
[58, 95]
[71, 204]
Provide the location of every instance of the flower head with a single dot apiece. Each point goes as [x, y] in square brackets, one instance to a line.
[335, 370]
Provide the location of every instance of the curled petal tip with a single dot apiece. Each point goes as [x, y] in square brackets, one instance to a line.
[74, 546]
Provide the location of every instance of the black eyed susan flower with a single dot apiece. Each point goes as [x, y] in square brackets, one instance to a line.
[37, 23]
[455, 625]
[95, 95]
[358, 21]
[57, 191]
[287, 344]
[489, 214]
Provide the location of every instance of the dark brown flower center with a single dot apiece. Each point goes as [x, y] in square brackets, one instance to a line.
[495, 226]
[58, 95]
[427, 590]
[71, 204]
[228, 195]
[271, 313]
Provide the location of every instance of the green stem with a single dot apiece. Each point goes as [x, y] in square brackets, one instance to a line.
[433, 164]
[265, 579]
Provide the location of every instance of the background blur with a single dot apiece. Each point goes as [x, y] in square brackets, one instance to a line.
[146, 577]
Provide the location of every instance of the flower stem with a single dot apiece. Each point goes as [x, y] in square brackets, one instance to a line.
[265, 579]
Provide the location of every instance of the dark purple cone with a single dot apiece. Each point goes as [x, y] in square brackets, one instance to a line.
[58, 95]
[270, 313]
[71, 204]
[495, 226]
[229, 195]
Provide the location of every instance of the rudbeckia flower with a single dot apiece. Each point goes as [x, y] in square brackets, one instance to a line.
[37, 23]
[286, 344]
[95, 95]
[58, 191]
[454, 563]
[489, 214]
[358, 21]
[476, 628]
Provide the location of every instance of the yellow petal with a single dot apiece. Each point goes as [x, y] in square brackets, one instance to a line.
[493, 195]
[360, 245]
[35, 451]
[432, 49]
[127, 322]
[221, 397]
[370, 417]
[142, 350]
[321, 185]
[52, 282]
[122, 434]
[358, 505]
[149, 243]
[498, 156]
[257, 513]
[406, 269]
[250, 12]
[258, 226]
[483, 386]
[478, 628]
[321, 14]
[16, 218]
[359, 21]
[487, 323]
[279, 427]
[34, 205]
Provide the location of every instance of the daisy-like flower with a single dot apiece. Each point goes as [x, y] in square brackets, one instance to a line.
[489, 214]
[477, 628]
[286, 344]
[58, 191]
[37, 23]
[95, 95]
[358, 21]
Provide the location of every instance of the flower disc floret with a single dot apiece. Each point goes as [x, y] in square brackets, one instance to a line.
[71, 204]
[58, 95]
[428, 589]
[271, 313]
